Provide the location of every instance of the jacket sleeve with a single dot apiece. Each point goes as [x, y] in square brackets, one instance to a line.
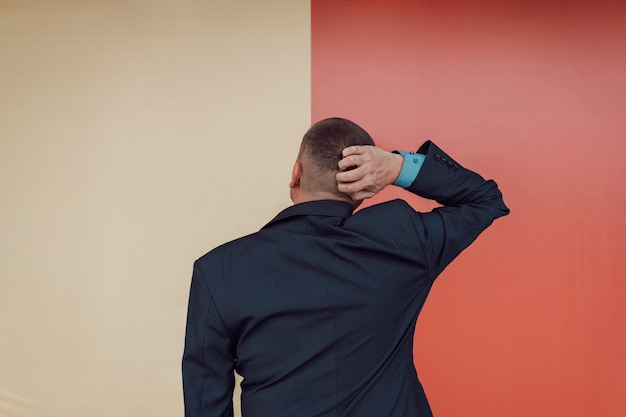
[470, 204]
[208, 358]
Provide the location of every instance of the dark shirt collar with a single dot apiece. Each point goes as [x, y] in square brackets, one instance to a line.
[328, 208]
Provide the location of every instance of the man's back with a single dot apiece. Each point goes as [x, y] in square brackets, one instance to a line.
[317, 310]
[323, 308]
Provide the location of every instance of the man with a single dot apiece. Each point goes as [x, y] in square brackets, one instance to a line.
[317, 310]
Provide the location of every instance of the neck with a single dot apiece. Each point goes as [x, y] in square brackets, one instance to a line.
[302, 197]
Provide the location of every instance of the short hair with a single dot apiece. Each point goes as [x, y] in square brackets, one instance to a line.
[322, 145]
[325, 140]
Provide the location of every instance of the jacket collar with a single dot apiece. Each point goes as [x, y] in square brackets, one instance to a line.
[328, 208]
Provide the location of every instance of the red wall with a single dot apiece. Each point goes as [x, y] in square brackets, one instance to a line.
[529, 321]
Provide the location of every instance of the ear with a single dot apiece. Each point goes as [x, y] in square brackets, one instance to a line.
[296, 175]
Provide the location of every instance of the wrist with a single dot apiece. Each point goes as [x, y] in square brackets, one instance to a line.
[411, 165]
[397, 161]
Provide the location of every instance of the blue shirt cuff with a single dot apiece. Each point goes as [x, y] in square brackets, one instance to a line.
[410, 168]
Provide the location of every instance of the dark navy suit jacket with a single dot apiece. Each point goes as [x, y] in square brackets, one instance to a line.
[317, 310]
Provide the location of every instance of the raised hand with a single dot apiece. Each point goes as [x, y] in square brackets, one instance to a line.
[366, 170]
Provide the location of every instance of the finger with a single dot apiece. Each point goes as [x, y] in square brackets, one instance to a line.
[353, 150]
[361, 185]
[349, 162]
[349, 187]
[352, 175]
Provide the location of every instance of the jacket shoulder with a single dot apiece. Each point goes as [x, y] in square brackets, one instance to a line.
[390, 216]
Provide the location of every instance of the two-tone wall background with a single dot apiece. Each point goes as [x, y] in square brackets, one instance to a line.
[137, 135]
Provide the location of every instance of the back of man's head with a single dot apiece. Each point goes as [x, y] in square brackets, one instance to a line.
[325, 140]
[321, 149]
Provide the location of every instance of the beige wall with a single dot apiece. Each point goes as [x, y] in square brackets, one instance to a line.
[134, 137]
